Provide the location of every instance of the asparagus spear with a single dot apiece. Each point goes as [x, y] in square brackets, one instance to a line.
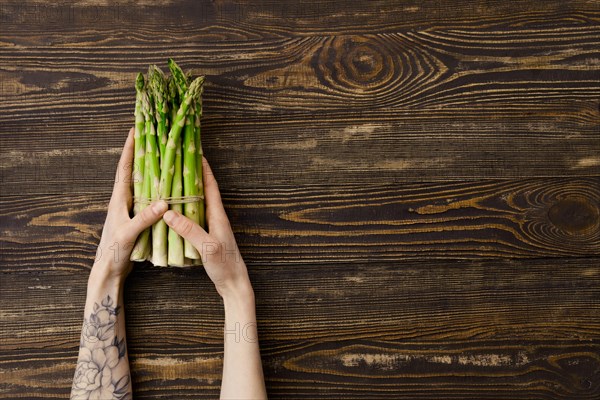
[140, 143]
[158, 87]
[141, 249]
[159, 229]
[190, 185]
[199, 175]
[175, 242]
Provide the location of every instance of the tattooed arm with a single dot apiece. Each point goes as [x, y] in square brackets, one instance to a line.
[102, 370]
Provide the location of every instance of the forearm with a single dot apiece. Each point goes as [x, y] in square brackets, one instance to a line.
[242, 367]
[103, 367]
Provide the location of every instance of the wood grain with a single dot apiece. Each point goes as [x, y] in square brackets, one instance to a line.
[415, 69]
[330, 107]
[67, 18]
[374, 147]
[432, 329]
[289, 225]
[414, 186]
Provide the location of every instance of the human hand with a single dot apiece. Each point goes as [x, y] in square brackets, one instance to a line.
[120, 231]
[217, 247]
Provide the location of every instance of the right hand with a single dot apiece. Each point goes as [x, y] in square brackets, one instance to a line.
[217, 247]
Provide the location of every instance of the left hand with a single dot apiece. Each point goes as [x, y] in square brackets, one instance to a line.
[120, 230]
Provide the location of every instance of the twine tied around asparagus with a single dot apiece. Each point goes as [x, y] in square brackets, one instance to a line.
[169, 200]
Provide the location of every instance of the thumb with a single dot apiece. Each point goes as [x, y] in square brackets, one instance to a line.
[148, 216]
[186, 228]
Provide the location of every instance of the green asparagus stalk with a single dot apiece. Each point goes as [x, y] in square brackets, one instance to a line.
[159, 229]
[141, 249]
[158, 87]
[166, 176]
[190, 182]
[141, 246]
[175, 242]
[199, 154]
[139, 143]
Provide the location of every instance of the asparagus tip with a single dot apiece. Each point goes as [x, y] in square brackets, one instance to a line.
[139, 82]
[195, 88]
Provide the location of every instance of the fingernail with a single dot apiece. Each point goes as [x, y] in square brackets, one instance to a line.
[170, 217]
[159, 207]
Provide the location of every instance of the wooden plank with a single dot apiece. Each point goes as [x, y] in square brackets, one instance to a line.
[361, 369]
[277, 17]
[409, 69]
[290, 225]
[431, 329]
[369, 148]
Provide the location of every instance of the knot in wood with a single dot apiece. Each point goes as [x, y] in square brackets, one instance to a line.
[575, 215]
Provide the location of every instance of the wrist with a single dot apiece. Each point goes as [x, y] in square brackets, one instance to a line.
[103, 276]
[239, 298]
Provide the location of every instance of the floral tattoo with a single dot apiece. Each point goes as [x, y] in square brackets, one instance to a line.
[101, 353]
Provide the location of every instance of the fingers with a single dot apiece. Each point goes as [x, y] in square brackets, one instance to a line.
[187, 229]
[215, 212]
[122, 187]
[147, 217]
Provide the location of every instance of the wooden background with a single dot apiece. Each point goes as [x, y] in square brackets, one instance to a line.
[414, 185]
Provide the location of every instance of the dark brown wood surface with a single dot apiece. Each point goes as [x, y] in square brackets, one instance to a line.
[414, 185]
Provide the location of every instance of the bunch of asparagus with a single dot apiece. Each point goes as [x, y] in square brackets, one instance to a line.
[168, 161]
